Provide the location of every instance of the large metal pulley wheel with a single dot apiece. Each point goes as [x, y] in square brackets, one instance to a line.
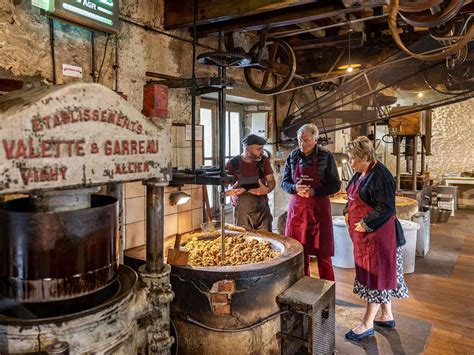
[429, 13]
[273, 66]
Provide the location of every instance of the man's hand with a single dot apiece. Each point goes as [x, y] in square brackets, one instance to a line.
[304, 190]
[261, 190]
[235, 191]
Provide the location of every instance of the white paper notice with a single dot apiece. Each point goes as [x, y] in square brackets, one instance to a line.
[72, 70]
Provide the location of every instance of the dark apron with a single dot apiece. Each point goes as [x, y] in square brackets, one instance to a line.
[252, 211]
[309, 219]
[374, 252]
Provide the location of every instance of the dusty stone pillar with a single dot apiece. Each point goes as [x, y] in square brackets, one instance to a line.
[159, 295]
[155, 274]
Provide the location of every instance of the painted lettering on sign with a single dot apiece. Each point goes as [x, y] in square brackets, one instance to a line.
[48, 148]
[57, 148]
[64, 117]
[131, 147]
[77, 135]
[132, 168]
[45, 173]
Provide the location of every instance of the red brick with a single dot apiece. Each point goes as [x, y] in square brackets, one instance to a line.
[226, 286]
[222, 309]
[219, 298]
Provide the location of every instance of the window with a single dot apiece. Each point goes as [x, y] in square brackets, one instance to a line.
[208, 118]
[232, 144]
[206, 121]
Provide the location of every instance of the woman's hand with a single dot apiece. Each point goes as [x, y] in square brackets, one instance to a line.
[360, 228]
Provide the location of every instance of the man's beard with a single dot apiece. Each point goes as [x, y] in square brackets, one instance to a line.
[255, 157]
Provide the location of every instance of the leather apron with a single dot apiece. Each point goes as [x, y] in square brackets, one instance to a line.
[252, 211]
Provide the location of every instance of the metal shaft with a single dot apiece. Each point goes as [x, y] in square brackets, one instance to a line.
[154, 227]
[422, 167]
[51, 41]
[414, 158]
[222, 205]
[115, 189]
[222, 135]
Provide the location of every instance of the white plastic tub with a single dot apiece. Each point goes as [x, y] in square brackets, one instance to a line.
[409, 249]
[343, 247]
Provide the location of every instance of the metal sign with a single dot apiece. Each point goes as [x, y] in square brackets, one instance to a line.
[101, 15]
[78, 135]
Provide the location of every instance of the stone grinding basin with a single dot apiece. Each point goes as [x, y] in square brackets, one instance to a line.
[242, 248]
[230, 297]
[233, 296]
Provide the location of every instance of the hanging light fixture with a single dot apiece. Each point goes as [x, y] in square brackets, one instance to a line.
[179, 197]
[349, 67]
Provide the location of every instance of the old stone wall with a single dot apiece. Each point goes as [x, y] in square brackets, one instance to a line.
[452, 144]
[25, 53]
[453, 140]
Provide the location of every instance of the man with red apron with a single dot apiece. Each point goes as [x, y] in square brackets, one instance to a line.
[310, 176]
[254, 180]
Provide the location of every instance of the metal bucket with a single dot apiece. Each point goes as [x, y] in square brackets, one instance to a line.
[434, 214]
[443, 215]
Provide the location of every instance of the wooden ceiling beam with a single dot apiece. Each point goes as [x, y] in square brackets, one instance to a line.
[311, 26]
[350, 115]
[357, 40]
[179, 13]
[278, 18]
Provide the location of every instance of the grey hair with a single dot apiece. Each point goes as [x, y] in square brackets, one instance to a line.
[310, 128]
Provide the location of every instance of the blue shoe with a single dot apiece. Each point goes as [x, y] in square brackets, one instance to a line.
[353, 336]
[387, 324]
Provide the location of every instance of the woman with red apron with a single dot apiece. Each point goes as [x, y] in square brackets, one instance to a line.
[377, 238]
[310, 176]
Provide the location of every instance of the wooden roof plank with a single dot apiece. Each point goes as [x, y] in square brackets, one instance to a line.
[179, 13]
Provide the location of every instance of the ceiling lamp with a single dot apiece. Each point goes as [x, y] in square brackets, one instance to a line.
[420, 94]
[349, 67]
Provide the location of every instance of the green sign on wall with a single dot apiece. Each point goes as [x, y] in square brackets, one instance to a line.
[47, 5]
[101, 15]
